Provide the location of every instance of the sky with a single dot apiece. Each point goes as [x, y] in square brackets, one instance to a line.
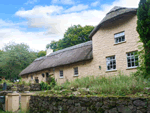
[38, 22]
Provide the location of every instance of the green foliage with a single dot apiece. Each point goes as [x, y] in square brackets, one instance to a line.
[143, 28]
[41, 53]
[74, 35]
[114, 85]
[46, 86]
[14, 59]
[8, 82]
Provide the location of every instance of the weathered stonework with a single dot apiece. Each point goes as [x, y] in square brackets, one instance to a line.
[33, 87]
[89, 104]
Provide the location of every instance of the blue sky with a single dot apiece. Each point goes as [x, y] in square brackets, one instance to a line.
[38, 22]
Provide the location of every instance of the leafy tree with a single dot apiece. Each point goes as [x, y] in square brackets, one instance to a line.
[1, 52]
[143, 28]
[41, 53]
[14, 59]
[74, 35]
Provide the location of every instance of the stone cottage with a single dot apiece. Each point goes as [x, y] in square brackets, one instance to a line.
[113, 47]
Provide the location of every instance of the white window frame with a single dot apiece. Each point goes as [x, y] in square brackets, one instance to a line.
[108, 60]
[132, 56]
[75, 71]
[61, 74]
[119, 36]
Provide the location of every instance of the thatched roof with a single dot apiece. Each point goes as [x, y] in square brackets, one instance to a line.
[113, 14]
[65, 56]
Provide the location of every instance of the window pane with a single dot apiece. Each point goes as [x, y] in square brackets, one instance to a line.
[123, 38]
[133, 64]
[114, 66]
[108, 68]
[114, 62]
[128, 58]
[116, 40]
[132, 59]
[120, 39]
[128, 54]
[129, 64]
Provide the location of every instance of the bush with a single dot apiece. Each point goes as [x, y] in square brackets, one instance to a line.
[46, 86]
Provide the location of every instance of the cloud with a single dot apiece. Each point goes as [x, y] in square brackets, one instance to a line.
[31, 2]
[94, 4]
[39, 11]
[123, 3]
[36, 40]
[67, 2]
[56, 21]
[79, 7]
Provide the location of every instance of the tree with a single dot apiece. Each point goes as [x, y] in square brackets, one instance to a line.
[41, 53]
[74, 35]
[143, 28]
[1, 52]
[14, 59]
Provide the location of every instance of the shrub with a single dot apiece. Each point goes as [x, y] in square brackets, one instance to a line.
[46, 86]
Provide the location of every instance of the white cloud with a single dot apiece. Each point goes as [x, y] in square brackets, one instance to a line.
[94, 4]
[39, 11]
[68, 2]
[79, 7]
[123, 3]
[31, 2]
[40, 17]
[36, 40]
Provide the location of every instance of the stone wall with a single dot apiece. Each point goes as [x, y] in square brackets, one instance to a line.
[41, 104]
[33, 87]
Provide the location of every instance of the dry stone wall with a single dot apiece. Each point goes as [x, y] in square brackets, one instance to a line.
[33, 87]
[41, 104]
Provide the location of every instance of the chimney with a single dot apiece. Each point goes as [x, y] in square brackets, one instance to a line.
[49, 51]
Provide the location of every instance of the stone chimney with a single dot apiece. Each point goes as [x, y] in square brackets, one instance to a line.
[49, 51]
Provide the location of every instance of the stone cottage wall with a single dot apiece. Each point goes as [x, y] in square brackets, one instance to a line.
[41, 104]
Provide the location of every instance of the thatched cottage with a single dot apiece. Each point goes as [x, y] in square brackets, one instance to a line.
[112, 49]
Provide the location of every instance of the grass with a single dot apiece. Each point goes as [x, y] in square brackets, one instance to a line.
[114, 85]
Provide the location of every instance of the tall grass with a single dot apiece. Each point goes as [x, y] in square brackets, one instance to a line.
[119, 84]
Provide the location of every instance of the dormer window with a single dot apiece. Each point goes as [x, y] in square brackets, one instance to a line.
[119, 37]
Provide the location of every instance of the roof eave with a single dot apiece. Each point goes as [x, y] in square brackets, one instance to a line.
[54, 67]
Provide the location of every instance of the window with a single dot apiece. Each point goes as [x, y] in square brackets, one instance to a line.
[43, 75]
[31, 77]
[132, 59]
[111, 63]
[119, 37]
[61, 73]
[47, 74]
[76, 71]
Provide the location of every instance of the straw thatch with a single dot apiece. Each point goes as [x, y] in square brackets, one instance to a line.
[113, 14]
[69, 55]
